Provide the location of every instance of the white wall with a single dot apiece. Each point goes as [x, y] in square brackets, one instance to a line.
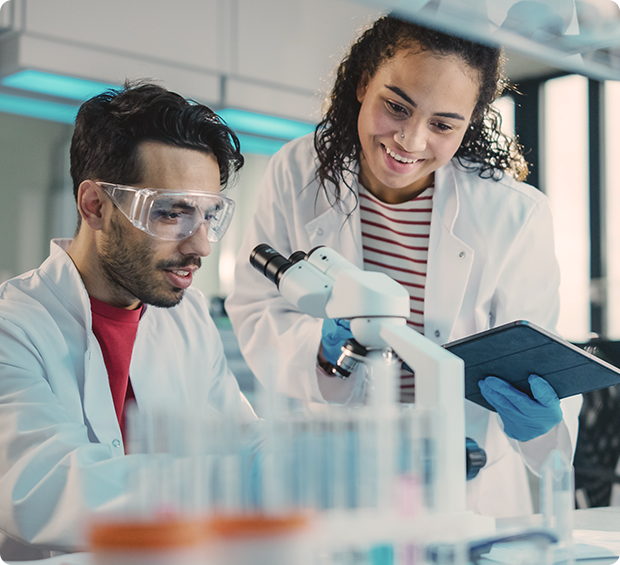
[215, 278]
[32, 176]
[264, 55]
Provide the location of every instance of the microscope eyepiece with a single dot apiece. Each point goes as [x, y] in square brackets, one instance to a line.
[272, 264]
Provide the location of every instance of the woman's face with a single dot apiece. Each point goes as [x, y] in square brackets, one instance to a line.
[426, 97]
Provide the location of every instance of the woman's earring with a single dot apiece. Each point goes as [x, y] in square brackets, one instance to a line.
[402, 135]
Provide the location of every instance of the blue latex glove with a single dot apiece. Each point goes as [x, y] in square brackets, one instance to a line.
[333, 335]
[524, 418]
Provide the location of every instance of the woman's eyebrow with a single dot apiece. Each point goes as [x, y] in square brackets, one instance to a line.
[409, 100]
[402, 94]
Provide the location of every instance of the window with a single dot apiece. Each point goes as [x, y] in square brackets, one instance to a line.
[565, 180]
[611, 207]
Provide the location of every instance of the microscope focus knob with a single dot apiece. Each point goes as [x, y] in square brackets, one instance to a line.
[475, 458]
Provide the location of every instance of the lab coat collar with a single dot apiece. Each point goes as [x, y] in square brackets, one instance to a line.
[339, 227]
[446, 196]
[66, 282]
[72, 289]
[321, 230]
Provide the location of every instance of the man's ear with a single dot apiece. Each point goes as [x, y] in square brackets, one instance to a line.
[90, 204]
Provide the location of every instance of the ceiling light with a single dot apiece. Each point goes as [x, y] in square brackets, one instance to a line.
[41, 109]
[259, 145]
[263, 124]
[55, 85]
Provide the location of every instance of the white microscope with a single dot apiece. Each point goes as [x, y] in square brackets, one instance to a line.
[324, 284]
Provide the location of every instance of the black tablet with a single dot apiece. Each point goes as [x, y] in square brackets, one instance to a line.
[518, 349]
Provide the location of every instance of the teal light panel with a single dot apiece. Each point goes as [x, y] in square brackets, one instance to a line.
[259, 145]
[42, 109]
[263, 124]
[55, 85]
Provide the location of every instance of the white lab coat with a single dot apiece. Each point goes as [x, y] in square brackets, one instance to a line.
[61, 451]
[491, 260]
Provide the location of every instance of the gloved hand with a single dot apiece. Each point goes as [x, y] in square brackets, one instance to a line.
[524, 418]
[333, 335]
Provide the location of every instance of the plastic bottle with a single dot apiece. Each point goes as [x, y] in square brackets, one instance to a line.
[261, 539]
[165, 541]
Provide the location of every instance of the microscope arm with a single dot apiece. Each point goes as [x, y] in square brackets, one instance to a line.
[439, 386]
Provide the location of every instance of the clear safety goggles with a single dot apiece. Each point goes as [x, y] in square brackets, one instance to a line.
[172, 215]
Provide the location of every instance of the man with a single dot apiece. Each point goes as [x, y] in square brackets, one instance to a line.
[110, 315]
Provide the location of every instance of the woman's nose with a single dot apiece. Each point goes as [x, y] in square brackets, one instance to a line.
[413, 137]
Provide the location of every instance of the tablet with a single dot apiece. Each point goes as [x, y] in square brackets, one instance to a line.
[518, 349]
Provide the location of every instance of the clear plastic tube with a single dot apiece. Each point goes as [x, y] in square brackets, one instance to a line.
[364, 470]
[557, 496]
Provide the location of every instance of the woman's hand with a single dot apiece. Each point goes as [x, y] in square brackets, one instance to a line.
[524, 418]
[333, 335]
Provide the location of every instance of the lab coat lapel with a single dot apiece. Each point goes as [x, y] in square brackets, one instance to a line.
[333, 228]
[449, 261]
[98, 404]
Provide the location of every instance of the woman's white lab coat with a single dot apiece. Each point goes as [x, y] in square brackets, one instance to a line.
[491, 260]
[62, 456]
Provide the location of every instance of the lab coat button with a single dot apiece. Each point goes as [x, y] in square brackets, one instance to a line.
[319, 232]
[461, 254]
[116, 442]
[437, 333]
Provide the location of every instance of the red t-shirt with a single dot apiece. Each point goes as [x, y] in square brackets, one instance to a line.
[115, 330]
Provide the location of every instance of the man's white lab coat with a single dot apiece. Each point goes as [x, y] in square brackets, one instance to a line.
[491, 260]
[61, 450]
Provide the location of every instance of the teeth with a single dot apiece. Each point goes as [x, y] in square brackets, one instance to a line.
[181, 273]
[398, 157]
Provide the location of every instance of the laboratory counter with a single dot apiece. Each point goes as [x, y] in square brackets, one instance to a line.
[592, 527]
[605, 519]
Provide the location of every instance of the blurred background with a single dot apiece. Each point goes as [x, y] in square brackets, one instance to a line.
[266, 66]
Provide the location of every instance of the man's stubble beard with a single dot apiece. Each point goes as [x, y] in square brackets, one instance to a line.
[128, 268]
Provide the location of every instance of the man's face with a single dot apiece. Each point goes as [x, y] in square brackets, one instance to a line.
[140, 267]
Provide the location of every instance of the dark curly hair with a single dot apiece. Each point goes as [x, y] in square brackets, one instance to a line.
[110, 127]
[484, 147]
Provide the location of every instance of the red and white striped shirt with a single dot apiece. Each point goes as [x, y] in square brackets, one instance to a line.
[395, 242]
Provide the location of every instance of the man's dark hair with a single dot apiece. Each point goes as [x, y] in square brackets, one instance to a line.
[110, 127]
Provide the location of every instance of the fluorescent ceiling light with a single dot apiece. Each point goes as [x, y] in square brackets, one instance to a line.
[55, 85]
[262, 124]
[259, 145]
[42, 109]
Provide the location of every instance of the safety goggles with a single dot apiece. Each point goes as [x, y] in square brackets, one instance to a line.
[172, 215]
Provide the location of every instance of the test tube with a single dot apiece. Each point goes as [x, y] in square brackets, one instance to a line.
[557, 503]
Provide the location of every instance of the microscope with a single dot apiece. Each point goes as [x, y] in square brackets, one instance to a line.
[323, 284]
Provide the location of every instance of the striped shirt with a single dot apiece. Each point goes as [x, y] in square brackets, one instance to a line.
[395, 242]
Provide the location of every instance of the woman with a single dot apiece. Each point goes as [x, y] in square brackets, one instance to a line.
[408, 173]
